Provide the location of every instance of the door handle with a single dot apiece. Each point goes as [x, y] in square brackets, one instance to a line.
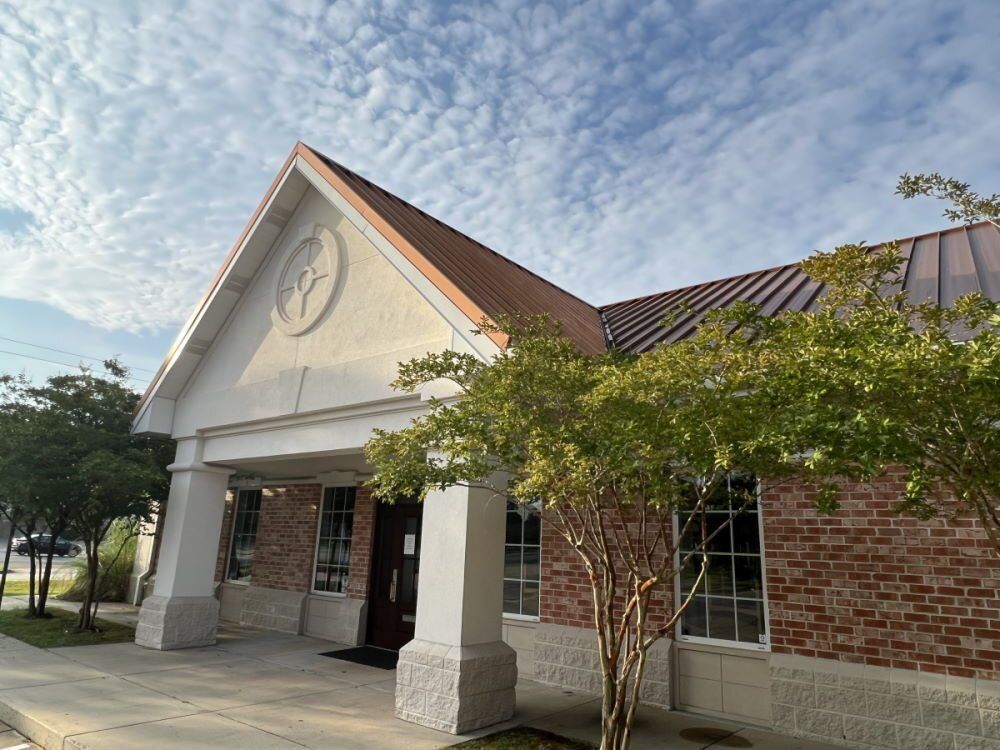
[392, 587]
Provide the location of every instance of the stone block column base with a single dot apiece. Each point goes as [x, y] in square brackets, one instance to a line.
[455, 689]
[177, 622]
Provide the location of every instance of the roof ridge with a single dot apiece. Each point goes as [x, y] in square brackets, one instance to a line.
[450, 228]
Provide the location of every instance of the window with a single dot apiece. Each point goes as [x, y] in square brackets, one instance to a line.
[522, 552]
[731, 604]
[333, 549]
[245, 521]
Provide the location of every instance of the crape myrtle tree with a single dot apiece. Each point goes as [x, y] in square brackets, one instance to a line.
[68, 460]
[612, 446]
[873, 380]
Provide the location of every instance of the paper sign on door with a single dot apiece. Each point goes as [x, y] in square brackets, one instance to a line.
[409, 544]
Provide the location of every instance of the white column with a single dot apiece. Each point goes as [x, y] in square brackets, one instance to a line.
[183, 611]
[457, 674]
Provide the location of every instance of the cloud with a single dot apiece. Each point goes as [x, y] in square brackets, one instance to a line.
[617, 149]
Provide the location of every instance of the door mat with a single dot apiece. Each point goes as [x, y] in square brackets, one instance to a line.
[370, 656]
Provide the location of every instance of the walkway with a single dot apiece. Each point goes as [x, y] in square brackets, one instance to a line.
[257, 689]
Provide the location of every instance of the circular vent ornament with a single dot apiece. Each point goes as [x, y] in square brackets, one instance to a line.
[308, 281]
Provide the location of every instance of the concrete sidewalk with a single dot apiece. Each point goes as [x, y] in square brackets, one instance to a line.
[257, 689]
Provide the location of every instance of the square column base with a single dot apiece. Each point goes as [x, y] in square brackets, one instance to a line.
[455, 689]
[167, 623]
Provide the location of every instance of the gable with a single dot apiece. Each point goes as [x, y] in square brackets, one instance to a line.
[314, 310]
[332, 327]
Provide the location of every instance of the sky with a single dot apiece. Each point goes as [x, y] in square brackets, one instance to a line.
[617, 148]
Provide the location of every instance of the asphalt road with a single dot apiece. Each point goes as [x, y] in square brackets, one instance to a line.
[19, 565]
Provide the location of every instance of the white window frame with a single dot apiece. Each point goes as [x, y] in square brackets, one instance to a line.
[232, 533]
[503, 578]
[313, 591]
[744, 645]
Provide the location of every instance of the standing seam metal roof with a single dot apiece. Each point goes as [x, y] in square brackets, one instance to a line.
[938, 266]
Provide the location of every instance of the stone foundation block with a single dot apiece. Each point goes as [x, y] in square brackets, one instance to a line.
[167, 623]
[273, 609]
[568, 657]
[875, 707]
[455, 689]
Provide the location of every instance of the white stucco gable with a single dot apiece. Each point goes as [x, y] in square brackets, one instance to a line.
[312, 311]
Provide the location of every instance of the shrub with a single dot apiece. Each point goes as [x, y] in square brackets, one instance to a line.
[114, 567]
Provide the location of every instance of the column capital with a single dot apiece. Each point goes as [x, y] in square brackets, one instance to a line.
[198, 466]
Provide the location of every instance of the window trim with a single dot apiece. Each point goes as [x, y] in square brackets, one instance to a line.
[503, 578]
[743, 645]
[313, 591]
[232, 535]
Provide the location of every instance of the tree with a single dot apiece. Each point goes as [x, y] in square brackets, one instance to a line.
[612, 445]
[967, 206]
[872, 380]
[67, 458]
[34, 484]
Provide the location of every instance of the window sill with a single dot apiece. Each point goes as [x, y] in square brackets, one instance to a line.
[243, 584]
[520, 618]
[328, 594]
[692, 640]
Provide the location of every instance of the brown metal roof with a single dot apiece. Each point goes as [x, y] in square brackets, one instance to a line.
[494, 284]
[939, 266]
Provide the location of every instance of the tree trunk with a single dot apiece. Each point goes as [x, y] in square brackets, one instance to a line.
[31, 576]
[43, 589]
[93, 569]
[6, 562]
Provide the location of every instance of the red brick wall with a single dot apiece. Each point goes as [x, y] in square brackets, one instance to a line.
[362, 542]
[221, 559]
[868, 585]
[864, 585]
[286, 537]
[565, 597]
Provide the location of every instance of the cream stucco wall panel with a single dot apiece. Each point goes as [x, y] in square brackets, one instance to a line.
[374, 319]
[250, 347]
[520, 636]
[719, 680]
[227, 291]
[464, 328]
[376, 312]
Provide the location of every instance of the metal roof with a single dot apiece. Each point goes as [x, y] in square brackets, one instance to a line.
[495, 284]
[938, 266]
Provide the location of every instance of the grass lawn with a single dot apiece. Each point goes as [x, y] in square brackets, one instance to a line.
[20, 588]
[522, 738]
[59, 629]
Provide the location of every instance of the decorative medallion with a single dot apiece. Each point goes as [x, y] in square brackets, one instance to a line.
[308, 281]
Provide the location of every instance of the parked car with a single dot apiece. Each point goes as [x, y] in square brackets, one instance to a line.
[62, 547]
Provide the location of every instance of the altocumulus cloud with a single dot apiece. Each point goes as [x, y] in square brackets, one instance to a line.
[616, 147]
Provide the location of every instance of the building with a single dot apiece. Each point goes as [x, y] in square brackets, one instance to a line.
[867, 627]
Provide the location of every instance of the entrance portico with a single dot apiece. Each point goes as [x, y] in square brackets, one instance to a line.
[272, 389]
[455, 672]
